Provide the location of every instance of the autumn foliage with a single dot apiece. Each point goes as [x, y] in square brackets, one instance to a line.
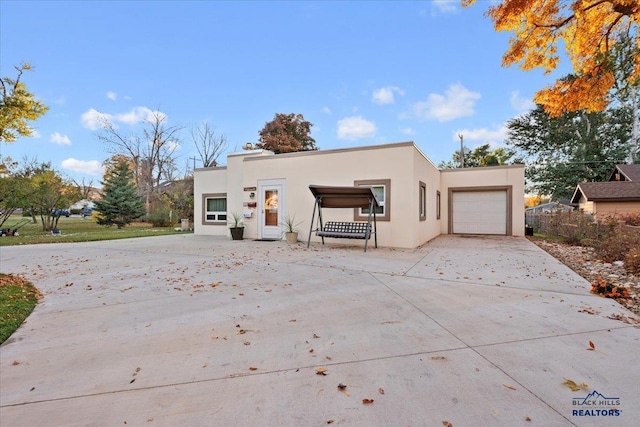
[287, 133]
[588, 29]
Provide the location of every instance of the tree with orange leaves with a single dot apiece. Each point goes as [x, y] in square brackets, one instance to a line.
[589, 29]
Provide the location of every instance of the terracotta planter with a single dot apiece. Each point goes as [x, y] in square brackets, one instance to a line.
[237, 233]
[292, 236]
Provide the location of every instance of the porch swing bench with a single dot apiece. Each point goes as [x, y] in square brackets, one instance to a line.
[344, 197]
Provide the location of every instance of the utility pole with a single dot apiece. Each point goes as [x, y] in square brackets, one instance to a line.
[461, 150]
[194, 162]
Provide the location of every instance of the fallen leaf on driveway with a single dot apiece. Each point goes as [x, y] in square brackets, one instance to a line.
[592, 346]
[447, 424]
[321, 371]
[509, 387]
[253, 368]
[528, 419]
[573, 386]
[438, 358]
[367, 401]
[381, 390]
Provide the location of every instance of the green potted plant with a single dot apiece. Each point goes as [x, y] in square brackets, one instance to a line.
[236, 226]
[290, 230]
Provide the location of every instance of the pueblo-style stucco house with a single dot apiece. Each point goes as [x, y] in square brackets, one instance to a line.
[619, 195]
[417, 200]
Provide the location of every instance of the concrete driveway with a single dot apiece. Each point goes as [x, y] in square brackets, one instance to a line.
[200, 331]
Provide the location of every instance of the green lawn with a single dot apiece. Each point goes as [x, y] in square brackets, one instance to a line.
[17, 300]
[76, 229]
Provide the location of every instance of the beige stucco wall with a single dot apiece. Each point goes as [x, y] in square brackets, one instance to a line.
[341, 168]
[492, 176]
[425, 171]
[208, 181]
[402, 163]
[226, 180]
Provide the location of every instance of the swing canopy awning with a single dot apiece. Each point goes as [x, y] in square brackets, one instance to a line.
[344, 197]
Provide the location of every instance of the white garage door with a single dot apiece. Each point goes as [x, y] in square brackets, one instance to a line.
[480, 212]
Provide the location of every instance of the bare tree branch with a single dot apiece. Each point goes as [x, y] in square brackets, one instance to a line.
[209, 145]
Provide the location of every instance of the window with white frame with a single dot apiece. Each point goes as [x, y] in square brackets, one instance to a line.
[422, 200]
[382, 189]
[214, 208]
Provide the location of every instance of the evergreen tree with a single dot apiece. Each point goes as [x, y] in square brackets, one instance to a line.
[120, 203]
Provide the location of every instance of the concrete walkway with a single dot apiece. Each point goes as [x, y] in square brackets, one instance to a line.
[200, 331]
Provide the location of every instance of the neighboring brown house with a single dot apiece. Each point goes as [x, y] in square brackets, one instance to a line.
[626, 173]
[619, 195]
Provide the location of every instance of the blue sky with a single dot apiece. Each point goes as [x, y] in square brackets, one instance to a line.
[364, 73]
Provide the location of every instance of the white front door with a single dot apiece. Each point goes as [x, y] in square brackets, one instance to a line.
[271, 205]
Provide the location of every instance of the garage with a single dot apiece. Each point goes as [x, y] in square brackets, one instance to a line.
[480, 211]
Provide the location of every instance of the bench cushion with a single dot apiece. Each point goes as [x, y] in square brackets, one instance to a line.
[345, 230]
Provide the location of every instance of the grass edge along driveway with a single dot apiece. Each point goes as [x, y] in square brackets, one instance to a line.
[18, 298]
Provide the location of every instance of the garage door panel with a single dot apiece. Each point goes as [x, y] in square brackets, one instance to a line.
[480, 212]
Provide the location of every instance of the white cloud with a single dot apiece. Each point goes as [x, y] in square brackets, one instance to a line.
[385, 95]
[90, 167]
[352, 128]
[457, 101]
[138, 114]
[60, 139]
[521, 105]
[35, 134]
[326, 110]
[495, 137]
[408, 131]
[112, 95]
[446, 6]
[94, 119]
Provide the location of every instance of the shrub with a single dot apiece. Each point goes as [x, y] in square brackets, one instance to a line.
[632, 261]
[632, 218]
[607, 290]
[616, 244]
[159, 218]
